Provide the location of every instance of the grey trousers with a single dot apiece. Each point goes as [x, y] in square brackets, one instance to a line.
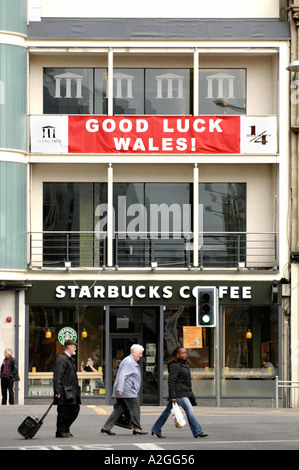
[133, 406]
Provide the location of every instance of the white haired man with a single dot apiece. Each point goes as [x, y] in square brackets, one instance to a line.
[125, 390]
[9, 375]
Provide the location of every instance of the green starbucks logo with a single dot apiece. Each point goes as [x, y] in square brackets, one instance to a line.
[67, 333]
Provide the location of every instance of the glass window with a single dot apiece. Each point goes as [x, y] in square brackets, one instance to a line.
[224, 206]
[128, 91]
[169, 222]
[125, 319]
[153, 223]
[167, 91]
[68, 91]
[74, 210]
[222, 91]
[168, 208]
[222, 216]
[58, 323]
[201, 360]
[143, 91]
[100, 92]
[128, 204]
[250, 355]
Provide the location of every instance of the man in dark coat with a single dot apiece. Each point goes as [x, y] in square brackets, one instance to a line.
[66, 390]
[9, 375]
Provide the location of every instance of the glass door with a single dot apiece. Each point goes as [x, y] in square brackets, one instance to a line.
[120, 348]
[136, 325]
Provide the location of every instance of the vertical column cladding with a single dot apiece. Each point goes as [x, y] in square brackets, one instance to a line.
[13, 134]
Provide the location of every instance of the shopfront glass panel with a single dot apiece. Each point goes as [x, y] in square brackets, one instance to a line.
[49, 327]
[249, 363]
[201, 359]
[250, 350]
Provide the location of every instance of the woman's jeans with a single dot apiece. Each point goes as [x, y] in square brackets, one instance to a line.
[185, 403]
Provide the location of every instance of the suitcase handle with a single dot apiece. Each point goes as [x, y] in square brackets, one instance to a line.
[45, 414]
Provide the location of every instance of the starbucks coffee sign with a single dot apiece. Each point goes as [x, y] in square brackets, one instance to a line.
[126, 292]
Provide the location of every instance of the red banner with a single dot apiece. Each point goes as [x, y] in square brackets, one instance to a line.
[154, 134]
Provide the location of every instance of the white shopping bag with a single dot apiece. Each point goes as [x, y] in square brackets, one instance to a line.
[177, 415]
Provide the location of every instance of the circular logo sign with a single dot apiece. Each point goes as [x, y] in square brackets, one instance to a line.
[67, 333]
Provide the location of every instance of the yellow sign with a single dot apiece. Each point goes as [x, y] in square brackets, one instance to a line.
[192, 337]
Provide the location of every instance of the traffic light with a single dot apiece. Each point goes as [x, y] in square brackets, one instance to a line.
[206, 305]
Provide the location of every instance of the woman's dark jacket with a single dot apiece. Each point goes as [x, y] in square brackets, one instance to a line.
[179, 380]
[65, 381]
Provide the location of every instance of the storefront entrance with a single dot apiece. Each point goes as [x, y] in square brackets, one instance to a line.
[250, 337]
[143, 322]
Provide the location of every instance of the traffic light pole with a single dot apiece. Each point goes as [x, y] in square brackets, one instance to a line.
[217, 351]
[208, 316]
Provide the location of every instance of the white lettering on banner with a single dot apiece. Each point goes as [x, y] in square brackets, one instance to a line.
[141, 125]
[141, 292]
[92, 125]
[168, 144]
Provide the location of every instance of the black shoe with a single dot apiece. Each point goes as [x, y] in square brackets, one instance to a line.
[107, 431]
[63, 434]
[158, 435]
[139, 432]
[201, 435]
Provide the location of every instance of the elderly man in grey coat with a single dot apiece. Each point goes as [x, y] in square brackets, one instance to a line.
[125, 390]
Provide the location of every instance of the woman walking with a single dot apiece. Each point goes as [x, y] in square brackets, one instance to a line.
[180, 391]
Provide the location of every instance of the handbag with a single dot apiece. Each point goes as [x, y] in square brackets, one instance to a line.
[125, 420]
[177, 415]
[69, 393]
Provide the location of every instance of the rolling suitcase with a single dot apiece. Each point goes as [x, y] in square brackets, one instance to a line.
[29, 427]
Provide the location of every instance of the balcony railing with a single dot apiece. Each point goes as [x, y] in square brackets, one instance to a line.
[217, 250]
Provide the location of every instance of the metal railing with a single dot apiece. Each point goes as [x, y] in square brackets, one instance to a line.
[55, 249]
[283, 384]
[232, 250]
[239, 249]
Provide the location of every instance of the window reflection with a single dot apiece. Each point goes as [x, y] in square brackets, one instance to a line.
[74, 211]
[100, 91]
[135, 91]
[224, 206]
[68, 91]
[128, 91]
[43, 352]
[250, 362]
[153, 222]
[222, 91]
[167, 91]
[242, 351]
[201, 360]
[223, 216]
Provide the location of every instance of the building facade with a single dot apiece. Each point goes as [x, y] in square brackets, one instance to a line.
[150, 158]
